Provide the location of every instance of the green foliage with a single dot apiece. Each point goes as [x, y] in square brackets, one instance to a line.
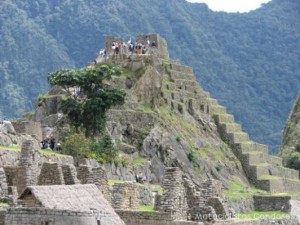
[239, 190]
[103, 149]
[192, 156]
[89, 110]
[293, 160]
[138, 162]
[76, 145]
[147, 208]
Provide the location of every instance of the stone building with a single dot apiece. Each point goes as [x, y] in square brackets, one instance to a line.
[173, 199]
[125, 196]
[63, 205]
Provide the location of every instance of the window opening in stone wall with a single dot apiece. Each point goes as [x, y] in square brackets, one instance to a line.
[98, 222]
[172, 95]
[130, 202]
[179, 202]
[202, 108]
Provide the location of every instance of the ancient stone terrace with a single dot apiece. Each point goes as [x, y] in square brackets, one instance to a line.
[180, 90]
[264, 170]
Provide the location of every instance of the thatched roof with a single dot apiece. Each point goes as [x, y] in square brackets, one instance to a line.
[69, 197]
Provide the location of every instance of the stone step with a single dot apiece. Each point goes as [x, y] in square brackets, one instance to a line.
[273, 160]
[223, 118]
[176, 107]
[237, 137]
[251, 158]
[279, 185]
[250, 146]
[218, 109]
[173, 66]
[230, 127]
[177, 75]
[183, 82]
[283, 172]
[262, 203]
[138, 119]
[262, 170]
[167, 85]
[213, 101]
[255, 157]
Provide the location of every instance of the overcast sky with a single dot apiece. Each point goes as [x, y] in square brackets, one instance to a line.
[232, 5]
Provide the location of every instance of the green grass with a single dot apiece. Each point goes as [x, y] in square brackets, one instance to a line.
[50, 152]
[147, 208]
[12, 148]
[138, 161]
[238, 190]
[157, 188]
[4, 204]
[112, 182]
[263, 215]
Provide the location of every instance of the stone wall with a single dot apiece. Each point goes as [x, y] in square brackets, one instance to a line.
[125, 196]
[210, 188]
[9, 158]
[94, 175]
[265, 203]
[101, 181]
[28, 166]
[70, 174]
[51, 174]
[173, 199]
[39, 216]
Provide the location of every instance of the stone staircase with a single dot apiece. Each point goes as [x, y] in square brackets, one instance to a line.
[180, 91]
[264, 170]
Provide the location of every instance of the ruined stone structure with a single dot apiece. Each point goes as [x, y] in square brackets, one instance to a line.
[94, 175]
[27, 172]
[51, 174]
[174, 200]
[63, 205]
[125, 196]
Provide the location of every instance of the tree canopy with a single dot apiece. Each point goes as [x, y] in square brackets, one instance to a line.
[89, 97]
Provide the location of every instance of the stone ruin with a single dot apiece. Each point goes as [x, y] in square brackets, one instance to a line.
[125, 196]
[185, 201]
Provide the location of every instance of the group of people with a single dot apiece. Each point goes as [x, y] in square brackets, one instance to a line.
[118, 48]
[49, 143]
[140, 178]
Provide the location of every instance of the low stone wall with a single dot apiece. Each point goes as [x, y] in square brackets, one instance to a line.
[38, 216]
[268, 203]
[155, 218]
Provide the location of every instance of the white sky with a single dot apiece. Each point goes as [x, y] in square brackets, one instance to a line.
[232, 5]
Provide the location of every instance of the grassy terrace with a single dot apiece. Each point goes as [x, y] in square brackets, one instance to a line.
[42, 151]
[238, 190]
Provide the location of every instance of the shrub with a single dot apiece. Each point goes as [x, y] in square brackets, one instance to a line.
[293, 160]
[192, 156]
[76, 145]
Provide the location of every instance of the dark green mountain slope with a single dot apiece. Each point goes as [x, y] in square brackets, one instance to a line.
[248, 61]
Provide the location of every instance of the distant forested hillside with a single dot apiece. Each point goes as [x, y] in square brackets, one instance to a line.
[249, 61]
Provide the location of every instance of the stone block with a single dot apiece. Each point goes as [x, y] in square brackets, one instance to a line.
[271, 203]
